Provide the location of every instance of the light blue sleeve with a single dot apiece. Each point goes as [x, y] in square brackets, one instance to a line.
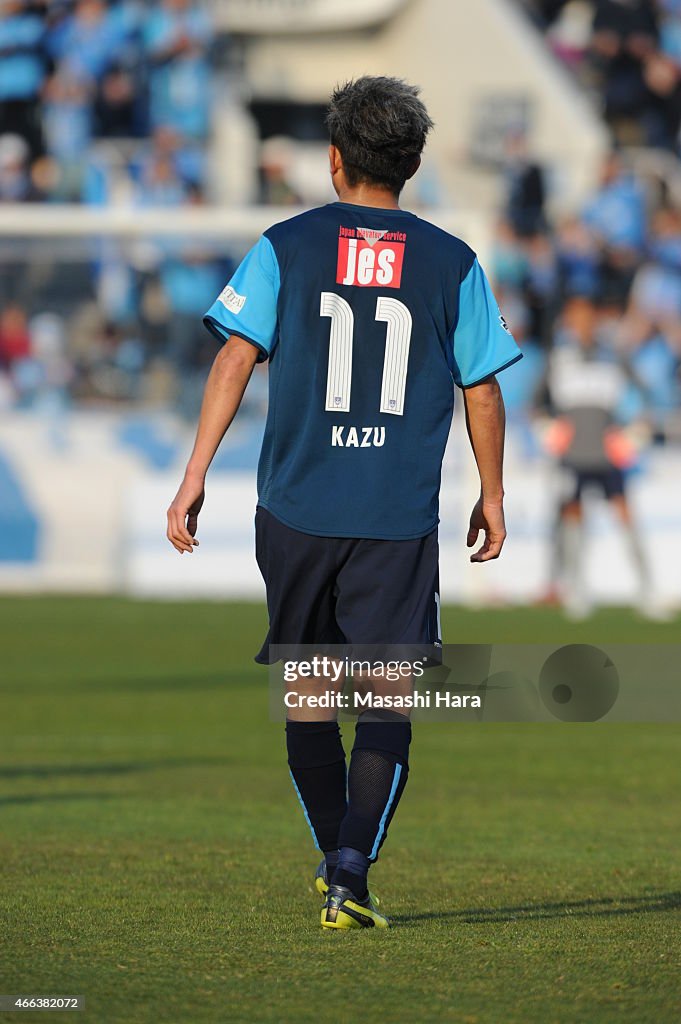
[247, 306]
[481, 342]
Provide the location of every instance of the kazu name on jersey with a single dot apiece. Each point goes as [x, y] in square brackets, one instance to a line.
[357, 437]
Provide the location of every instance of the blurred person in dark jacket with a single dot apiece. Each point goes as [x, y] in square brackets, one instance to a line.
[525, 189]
[639, 81]
[22, 69]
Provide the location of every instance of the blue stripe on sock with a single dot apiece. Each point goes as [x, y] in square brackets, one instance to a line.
[307, 816]
[386, 812]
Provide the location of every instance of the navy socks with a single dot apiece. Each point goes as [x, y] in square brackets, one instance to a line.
[317, 763]
[350, 831]
[352, 871]
[378, 774]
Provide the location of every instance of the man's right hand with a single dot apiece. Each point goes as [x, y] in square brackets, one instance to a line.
[183, 514]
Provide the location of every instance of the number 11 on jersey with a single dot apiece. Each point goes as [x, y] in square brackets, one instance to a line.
[398, 337]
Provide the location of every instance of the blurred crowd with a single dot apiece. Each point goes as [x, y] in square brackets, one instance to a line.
[100, 96]
[628, 54]
[101, 102]
[615, 266]
[124, 325]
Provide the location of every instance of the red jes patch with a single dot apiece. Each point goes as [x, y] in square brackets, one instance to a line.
[369, 258]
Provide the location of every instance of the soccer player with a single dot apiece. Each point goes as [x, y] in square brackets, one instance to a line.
[583, 390]
[368, 316]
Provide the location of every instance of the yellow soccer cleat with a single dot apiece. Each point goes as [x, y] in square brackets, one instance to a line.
[342, 909]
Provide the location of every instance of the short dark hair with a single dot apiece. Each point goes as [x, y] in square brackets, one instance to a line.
[380, 127]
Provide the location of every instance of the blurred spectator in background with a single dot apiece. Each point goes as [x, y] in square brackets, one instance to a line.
[33, 362]
[657, 367]
[655, 300]
[616, 216]
[578, 258]
[525, 271]
[85, 43]
[617, 211]
[568, 25]
[177, 37]
[525, 191]
[522, 380]
[187, 159]
[541, 286]
[276, 161]
[584, 392]
[52, 371]
[159, 183]
[15, 339]
[628, 53]
[108, 367]
[22, 70]
[190, 283]
[67, 121]
[15, 179]
[509, 260]
[624, 37]
[117, 110]
[662, 114]
[545, 12]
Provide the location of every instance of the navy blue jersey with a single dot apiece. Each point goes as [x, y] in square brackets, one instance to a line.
[367, 316]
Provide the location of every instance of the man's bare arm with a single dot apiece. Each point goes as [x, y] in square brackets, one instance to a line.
[224, 390]
[486, 424]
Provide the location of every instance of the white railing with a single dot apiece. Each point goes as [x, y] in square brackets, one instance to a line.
[35, 220]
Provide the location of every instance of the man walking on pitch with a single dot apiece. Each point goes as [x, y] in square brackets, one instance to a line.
[368, 315]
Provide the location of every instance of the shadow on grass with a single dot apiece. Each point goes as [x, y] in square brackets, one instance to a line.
[605, 906]
[39, 798]
[185, 683]
[192, 684]
[50, 771]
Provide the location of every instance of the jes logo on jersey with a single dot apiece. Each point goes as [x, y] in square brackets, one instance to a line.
[369, 258]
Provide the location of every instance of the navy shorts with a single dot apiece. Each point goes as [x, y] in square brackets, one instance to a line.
[609, 481]
[340, 590]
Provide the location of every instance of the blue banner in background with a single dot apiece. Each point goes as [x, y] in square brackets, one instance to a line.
[19, 525]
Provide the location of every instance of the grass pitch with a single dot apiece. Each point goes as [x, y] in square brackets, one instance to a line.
[154, 859]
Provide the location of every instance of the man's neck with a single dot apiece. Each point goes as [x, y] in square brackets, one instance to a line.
[369, 195]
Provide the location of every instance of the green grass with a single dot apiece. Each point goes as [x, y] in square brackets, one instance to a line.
[154, 859]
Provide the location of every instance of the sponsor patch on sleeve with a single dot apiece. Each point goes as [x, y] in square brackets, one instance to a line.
[231, 300]
[502, 321]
